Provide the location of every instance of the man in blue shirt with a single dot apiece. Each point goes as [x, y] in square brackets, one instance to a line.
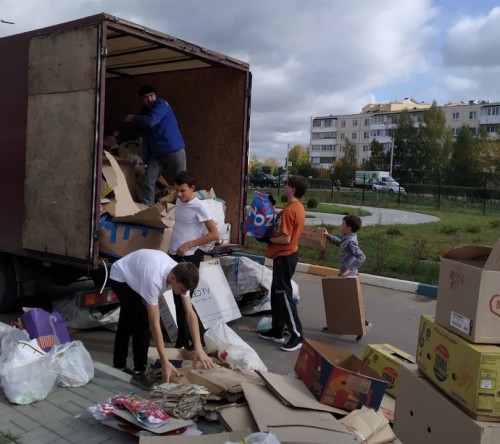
[162, 142]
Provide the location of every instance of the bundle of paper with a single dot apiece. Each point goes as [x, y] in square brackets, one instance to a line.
[370, 425]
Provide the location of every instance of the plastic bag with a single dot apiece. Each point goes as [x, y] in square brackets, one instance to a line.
[27, 373]
[258, 438]
[261, 216]
[75, 364]
[231, 348]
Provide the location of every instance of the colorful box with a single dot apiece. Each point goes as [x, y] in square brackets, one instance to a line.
[468, 302]
[338, 378]
[469, 373]
[386, 359]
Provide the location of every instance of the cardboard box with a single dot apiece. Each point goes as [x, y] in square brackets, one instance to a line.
[344, 308]
[469, 373]
[313, 239]
[425, 415]
[386, 359]
[338, 378]
[468, 301]
[118, 240]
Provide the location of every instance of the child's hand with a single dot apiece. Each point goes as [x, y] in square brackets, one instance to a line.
[325, 232]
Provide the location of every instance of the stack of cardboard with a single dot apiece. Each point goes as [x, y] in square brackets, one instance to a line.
[458, 352]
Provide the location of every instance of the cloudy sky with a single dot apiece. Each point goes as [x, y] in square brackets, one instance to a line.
[317, 57]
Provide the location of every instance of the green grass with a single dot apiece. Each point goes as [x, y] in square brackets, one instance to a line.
[8, 438]
[409, 252]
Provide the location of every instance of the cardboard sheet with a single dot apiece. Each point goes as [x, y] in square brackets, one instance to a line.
[237, 418]
[214, 438]
[271, 414]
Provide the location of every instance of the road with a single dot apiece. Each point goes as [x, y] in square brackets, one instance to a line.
[395, 316]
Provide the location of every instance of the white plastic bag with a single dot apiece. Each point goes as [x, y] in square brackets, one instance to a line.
[258, 438]
[231, 348]
[27, 373]
[75, 364]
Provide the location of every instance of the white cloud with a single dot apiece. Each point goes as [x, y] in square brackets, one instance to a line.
[319, 57]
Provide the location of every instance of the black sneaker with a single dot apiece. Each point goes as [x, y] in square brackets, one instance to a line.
[145, 380]
[294, 343]
[324, 329]
[269, 336]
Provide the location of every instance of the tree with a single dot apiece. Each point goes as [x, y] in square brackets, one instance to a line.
[407, 156]
[299, 158]
[437, 144]
[463, 169]
[253, 163]
[379, 159]
[271, 164]
[349, 163]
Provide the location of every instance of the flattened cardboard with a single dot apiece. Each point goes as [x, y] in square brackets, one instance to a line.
[338, 378]
[214, 438]
[344, 307]
[237, 418]
[386, 359]
[168, 315]
[468, 302]
[213, 298]
[270, 413]
[425, 415]
[313, 239]
[170, 425]
[125, 209]
[294, 393]
[469, 373]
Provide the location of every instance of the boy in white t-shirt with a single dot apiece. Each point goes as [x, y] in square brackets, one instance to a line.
[139, 279]
[191, 216]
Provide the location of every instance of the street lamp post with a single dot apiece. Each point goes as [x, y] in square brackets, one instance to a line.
[392, 157]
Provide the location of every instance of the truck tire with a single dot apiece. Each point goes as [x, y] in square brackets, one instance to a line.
[8, 287]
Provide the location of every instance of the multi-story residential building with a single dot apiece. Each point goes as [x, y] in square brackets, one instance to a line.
[375, 122]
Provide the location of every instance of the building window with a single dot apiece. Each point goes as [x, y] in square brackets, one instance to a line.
[491, 129]
[327, 160]
[316, 147]
[366, 148]
[472, 114]
[490, 111]
[342, 123]
[455, 116]
[355, 122]
[366, 135]
[317, 123]
[473, 131]
[378, 119]
[342, 136]
[367, 122]
[455, 131]
[354, 136]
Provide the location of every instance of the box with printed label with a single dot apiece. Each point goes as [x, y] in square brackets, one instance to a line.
[426, 415]
[468, 301]
[386, 359]
[338, 378]
[469, 373]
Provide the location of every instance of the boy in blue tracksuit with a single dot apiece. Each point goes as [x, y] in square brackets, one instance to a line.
[351, 255]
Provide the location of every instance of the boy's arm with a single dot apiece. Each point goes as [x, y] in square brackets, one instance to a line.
[194, 329]
[154, 325]
[212, 235]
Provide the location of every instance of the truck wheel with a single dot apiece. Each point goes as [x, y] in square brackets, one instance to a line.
[8, 287]
[391, 191]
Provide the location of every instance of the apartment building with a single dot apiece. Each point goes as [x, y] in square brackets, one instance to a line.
[328, 134]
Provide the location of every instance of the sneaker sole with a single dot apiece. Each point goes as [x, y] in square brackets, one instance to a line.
[291, 349]
[267, 338]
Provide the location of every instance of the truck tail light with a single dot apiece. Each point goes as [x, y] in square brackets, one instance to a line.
[93, 298]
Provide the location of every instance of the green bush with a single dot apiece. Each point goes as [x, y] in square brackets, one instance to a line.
[312, 203]
[284, 199]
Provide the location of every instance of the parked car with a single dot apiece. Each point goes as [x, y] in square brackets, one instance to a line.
[282, 178]
[263, 180]
[388, 187]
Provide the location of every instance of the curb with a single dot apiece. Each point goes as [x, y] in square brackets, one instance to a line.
[370, 279]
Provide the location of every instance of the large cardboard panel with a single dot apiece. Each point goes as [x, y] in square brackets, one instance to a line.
[294, 393]
[425, 415]
[313, 239]
[237, 417]
[118, 240]
[338, 378]
[213, 298]
[469, 373]
[386, 359]
[468, 301]
[309, 426]
[344, 308]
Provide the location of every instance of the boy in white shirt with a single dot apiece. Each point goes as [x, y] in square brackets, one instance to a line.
[139, 279]
[191, 216]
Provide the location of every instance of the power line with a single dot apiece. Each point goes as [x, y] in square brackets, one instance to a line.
[4, 21]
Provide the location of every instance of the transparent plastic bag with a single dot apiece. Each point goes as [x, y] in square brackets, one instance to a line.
[75, 364]
[27, 373]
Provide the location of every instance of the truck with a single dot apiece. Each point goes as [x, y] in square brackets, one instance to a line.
[63, 88]
[367, 178]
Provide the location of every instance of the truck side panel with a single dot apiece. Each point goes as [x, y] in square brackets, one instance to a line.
[61, 143]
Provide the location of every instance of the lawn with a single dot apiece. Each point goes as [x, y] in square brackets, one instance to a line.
[408, 252]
